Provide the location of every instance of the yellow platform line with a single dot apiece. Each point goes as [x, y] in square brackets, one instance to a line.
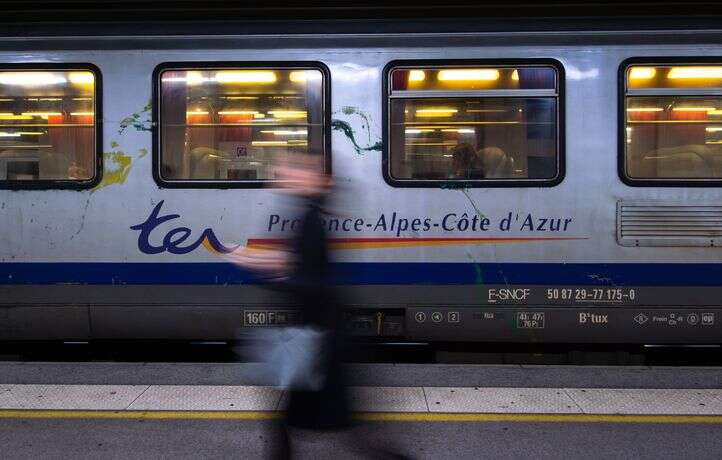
[365, 416]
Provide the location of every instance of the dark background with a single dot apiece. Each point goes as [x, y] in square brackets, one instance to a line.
[212, 17]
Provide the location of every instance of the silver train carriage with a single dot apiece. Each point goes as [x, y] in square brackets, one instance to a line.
[491, 186]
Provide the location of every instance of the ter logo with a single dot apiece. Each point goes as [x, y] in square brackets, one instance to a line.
[174, 239]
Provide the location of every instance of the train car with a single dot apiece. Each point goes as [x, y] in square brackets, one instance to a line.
[491, 186]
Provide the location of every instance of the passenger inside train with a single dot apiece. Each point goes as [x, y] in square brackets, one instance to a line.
[496, 163]
[466, 164]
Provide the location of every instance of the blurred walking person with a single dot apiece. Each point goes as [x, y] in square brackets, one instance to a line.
[307, 357]
[303, 271]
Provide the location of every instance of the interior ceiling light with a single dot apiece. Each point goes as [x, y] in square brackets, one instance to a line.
[238, 112]
[301, 76]
[468, 74]
[417, 75]
[31, 78]
[435, 112]
[246, 76]
[642, 73]
[269, 143]
[460, 131]
[11, 116]
[288, 113]
[285, 132]
[693, 109]
[695, 72]
[297, 76]
[81, 78]
[41, 114]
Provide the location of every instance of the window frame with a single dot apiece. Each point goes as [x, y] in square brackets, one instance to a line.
[66, 184]
[475, 183]
[622, 119]
[232, 65]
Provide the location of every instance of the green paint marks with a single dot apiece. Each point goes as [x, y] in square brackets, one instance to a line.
[349, 110]
[116, 164]
[473, 203]
[140, 121]
[345, 128]
[116, 168]
[479, 279]
[460, 186]
[452, 186]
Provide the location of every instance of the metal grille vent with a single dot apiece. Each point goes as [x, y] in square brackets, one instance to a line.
[641, 223]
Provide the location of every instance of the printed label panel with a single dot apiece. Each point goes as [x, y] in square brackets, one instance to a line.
[530, 320]
[260, 318]
[565, 324]
[580, 295]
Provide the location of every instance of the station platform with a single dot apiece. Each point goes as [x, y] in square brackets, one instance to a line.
[371, 403]
[151, 410]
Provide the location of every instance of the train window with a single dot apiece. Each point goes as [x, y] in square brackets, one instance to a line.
[223, 125]
[475, 124]
[672, 130]
[49, 126]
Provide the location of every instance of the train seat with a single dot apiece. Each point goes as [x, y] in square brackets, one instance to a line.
[680, 161]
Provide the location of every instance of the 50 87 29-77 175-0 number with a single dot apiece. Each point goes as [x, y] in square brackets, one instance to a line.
[591, 294]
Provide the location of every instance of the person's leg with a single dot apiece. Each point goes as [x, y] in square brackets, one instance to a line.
[355, 440]
[279, 442]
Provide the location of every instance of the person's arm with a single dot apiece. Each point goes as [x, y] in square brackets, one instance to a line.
[269, 264]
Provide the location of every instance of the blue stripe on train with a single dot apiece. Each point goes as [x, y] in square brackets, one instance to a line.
[632, 274]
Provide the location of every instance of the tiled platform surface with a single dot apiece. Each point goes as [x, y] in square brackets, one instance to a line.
[367, 399]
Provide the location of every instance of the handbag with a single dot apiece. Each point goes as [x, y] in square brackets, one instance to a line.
[295, 356]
